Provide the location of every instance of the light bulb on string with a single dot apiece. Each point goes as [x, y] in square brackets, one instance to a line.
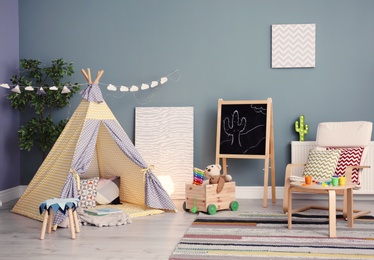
[124, 89]
[144, 86]
[111, 87]
[154, 84]
[134, 88]
[163, 80]
[41, 91]
[65, 90]
[16, 89]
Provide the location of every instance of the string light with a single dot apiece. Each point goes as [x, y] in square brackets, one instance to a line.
[65, 90]
[41, 91]
[143, 86]
[16, 89]
[110, 87]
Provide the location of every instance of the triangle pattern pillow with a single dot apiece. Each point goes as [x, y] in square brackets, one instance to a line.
[87, 192]
[349, 157]
[321, 164]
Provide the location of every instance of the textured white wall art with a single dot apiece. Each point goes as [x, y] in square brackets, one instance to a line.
[164, 138]
[293, 45]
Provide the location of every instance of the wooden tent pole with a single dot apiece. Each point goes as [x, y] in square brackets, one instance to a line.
[98, 76]
[85, 74]
[89, 76]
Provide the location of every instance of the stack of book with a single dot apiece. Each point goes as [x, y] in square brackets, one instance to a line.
[102, 211]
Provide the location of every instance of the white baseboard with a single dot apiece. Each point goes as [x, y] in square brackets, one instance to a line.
[12, 193]
[256, 192]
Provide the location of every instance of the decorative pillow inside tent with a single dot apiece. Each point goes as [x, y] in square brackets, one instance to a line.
[87, 192]
[321, 164]
[349, 157]
[108, 191]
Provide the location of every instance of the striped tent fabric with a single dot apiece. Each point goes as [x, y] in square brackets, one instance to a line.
[92, 94]
[93, 135]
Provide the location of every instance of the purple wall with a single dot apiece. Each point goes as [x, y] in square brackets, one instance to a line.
[9, 118]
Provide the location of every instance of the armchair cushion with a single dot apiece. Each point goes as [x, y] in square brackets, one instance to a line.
[321, 164]
[349, 157]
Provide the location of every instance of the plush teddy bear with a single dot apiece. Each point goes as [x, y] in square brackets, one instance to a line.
[213, 174]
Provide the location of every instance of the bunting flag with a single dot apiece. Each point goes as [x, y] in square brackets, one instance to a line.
[110, 87]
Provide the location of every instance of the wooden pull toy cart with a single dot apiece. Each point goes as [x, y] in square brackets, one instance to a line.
[205, 198]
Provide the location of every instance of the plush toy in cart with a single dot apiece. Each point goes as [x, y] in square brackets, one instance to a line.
[213, 174]
[217, 192]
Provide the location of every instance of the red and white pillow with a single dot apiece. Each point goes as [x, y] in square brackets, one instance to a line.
[349, 157]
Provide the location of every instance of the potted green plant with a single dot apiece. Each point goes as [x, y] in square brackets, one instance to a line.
[46, 84]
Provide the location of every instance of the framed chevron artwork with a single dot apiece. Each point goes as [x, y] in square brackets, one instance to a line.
[293, 45]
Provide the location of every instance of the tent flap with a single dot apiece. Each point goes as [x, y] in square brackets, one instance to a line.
[155, 194]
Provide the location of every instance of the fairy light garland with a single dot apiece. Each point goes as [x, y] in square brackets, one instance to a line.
[65, 89]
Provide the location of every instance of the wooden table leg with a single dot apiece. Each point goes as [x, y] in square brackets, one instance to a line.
[350, 218]
[50, 220]
[289, 210]
[44, 226]
[332, 213]
[71, 223]
[76, 222]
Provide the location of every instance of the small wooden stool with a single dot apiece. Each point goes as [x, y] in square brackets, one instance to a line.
[51, 206]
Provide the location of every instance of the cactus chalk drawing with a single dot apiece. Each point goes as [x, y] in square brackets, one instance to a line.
[301, 128]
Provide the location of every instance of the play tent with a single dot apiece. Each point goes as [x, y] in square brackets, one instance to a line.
[93, 144]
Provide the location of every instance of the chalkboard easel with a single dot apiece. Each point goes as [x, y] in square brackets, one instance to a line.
[245, 131]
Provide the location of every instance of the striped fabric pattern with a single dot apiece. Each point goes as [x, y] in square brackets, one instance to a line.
[245, 235]
[52, 174]
[349, 157]
[92, 134]
[321, 165]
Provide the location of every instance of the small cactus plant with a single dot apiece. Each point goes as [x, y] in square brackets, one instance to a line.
[301, 128]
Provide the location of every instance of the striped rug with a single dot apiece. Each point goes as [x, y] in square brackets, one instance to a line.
[232, 235]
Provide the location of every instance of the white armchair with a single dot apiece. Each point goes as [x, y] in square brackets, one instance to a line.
[353, 139]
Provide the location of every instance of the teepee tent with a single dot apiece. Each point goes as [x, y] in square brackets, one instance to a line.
[92, 144]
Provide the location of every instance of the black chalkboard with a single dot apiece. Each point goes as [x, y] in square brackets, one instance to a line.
[243, 129]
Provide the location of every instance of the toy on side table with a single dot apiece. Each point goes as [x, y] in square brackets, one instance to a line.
[215, 193]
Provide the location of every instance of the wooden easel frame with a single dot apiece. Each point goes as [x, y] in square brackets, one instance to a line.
[268, 157]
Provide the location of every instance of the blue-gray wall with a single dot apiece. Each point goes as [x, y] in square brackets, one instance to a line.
[10, 174]
[222, 50]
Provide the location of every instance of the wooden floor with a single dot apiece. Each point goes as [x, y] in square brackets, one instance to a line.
[150, 237]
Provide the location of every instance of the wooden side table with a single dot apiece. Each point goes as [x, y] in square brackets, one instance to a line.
[331, 191]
